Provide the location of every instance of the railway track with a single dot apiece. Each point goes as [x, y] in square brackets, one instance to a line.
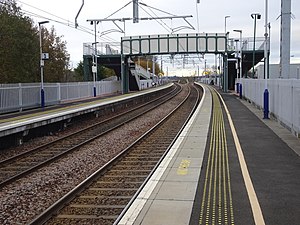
[102, 197]
[23, 164]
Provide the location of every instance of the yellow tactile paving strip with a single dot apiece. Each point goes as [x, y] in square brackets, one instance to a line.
[216, 205]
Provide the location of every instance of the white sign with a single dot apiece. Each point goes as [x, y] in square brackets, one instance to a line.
[45, 56]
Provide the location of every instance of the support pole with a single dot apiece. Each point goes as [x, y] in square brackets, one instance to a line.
[123, 74]
[254, 16]
[225, 57]
[285, 39]
[95, 62]
[241, 90]
[266, 92]
[253, 53]
[76, 24]
[42, 64]
[135, 11]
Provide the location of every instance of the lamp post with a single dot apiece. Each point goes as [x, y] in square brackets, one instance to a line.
[42, 65]
[225, 63]
[226, 17]
[96, 70]
[266, 92]
[94, 67]
[241, 52]
[255, 16]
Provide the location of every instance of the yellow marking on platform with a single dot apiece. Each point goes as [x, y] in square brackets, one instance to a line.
[183, 167]
[214, 205]
[220, 184]
[256, 210]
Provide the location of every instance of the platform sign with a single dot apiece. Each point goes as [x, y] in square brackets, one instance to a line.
[45, 56]
[174, 44]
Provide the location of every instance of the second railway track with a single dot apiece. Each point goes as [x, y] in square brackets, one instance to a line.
[102, 197]
[20, 165]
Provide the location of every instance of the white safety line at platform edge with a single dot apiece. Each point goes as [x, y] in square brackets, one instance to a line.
[136, 207]
[256, 210]
[39, 118]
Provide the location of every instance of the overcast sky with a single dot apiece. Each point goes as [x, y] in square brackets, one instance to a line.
[211, 14]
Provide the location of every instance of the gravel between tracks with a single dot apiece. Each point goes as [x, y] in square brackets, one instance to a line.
[24, 200]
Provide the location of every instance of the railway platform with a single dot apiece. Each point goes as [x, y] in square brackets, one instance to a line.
[228, 166]
[21, 123]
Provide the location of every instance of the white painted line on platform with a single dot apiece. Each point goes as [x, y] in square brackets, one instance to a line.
[65, 112]
[136, 207]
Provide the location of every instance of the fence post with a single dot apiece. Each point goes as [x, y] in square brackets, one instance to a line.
[266, 104]
[20, 97]
[59, 92]
[241, 90]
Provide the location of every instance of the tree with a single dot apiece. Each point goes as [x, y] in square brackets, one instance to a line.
[105, 72]
[57, 66]
[79, 72]
[19, 46]
[10, 7]
[20, 52]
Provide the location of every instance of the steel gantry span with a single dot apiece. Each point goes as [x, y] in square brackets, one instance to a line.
[189, 43]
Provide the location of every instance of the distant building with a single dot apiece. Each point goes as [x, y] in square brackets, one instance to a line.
[274, 71]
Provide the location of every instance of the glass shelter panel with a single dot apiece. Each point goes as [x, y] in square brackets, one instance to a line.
[173, 45]
[182, 44]
[211, 44]
[192, 45]
[126, 47]
[221, 44]
[163, 44]
[145, 46]
[154, 46]
[201, 44]
[135, 47]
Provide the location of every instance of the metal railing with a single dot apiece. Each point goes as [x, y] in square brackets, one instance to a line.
[247, 44]
[103, 48]
[16, 97]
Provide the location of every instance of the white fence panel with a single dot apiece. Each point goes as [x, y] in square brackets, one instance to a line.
[51, 94]
[31, 95]
[71, 91]
[284, 99]
[19, 96]
[9, 97]
[296, 104]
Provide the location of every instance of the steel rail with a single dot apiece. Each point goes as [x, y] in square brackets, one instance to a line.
[11, 179]
[52, 210]
[158, 163]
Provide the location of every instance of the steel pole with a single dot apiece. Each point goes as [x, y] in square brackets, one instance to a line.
[253, 58]
[42, 65]
[241, 54]
[226, 24]
[42, 70]
[95, 60]
[266, 92]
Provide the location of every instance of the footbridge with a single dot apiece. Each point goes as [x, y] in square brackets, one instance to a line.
[122, 61]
